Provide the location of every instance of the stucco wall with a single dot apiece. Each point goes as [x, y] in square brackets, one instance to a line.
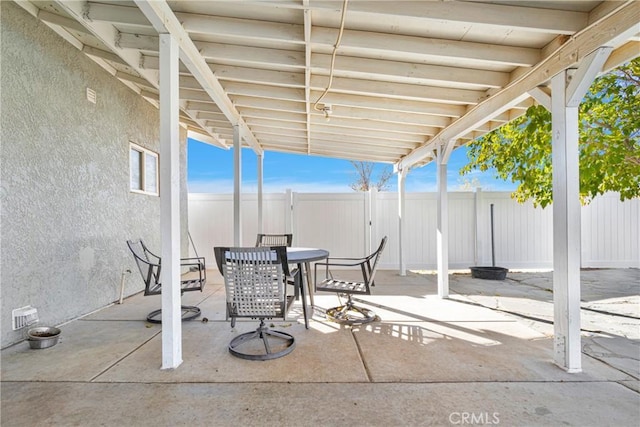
[66, 208]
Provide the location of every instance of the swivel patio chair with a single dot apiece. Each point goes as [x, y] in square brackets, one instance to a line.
[149, 265]
[349, 313]
[271, 240]
[254, 280]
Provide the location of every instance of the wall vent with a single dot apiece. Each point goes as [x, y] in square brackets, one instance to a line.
[24, 316]
[91, 95]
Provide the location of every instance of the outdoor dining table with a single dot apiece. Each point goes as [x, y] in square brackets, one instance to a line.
[303, 257]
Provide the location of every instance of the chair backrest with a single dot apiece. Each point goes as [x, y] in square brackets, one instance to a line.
[271, 240]
[254, 280]
[376, 257]
[148, 265]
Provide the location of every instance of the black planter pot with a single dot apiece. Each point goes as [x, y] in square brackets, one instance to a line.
[489, 273]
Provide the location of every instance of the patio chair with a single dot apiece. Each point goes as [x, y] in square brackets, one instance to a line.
[149, 265]
[270, 240]
[349, 313]
[254, 280]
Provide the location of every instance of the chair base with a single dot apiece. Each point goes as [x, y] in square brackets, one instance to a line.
[189, 312]
[274, 344]
[350, 314]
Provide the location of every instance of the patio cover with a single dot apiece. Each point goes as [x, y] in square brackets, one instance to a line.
[407, 77]
[402, 82]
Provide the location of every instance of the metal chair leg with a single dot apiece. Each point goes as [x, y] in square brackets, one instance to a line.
[270, 339]
[189, 312]
[350, 314]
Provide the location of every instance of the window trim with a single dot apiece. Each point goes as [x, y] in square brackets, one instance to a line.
[143, 171]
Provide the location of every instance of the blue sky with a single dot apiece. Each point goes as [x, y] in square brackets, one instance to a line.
[210, 170]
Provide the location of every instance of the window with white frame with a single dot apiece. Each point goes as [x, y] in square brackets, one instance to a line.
[143, 170]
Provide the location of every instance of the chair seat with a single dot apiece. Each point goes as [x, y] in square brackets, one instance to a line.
[279, 313]
[334, 285]
[191, 285]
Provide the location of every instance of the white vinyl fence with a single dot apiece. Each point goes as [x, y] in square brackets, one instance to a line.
[352, 224]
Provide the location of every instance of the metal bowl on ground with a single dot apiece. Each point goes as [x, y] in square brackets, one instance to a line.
[43, 337]
[489, 273]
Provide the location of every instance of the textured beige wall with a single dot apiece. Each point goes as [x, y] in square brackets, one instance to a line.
[66, 209]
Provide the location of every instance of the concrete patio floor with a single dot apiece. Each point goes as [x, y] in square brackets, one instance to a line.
[482, 357]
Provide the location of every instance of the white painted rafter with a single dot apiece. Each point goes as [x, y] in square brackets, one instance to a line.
[399, 90]
[365, 135]
[258, 76]
[260, 113]
[103, 54]
[162, 18]
[622, 23]
[375, 125]
[242, 29]
[389, 116]
[435, 73]
[346, 145]
[269, 104]
[406, 72]
[541, 20]
[54, 18]
[265, 123]
[108, 35]
[307, 68]
[420, 49]
[289, 60]
[117, 14]
[265, 91]
[323, 38]
[360, 101]
[624, 53]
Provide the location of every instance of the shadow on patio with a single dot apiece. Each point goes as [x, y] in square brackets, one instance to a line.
[427, 361]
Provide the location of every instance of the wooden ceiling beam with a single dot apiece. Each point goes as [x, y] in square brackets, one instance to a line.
[420, 49]
[619, 25]
[533, 19]
[399, 105]
[399, 90]
[164, 21]
[405, 72]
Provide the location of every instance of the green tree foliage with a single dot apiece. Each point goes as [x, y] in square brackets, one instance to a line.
[364, 172]
[609, 143]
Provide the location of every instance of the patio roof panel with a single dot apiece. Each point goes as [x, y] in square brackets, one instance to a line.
[436, 72]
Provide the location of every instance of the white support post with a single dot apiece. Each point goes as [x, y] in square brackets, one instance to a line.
[442, 237]
[477, 199]
[566, 229]
[237, 186]
[371, 220]
[402, 175]
[289, 224]
[367, 221]
[170, 203]
[260, 160]
[566, 94]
